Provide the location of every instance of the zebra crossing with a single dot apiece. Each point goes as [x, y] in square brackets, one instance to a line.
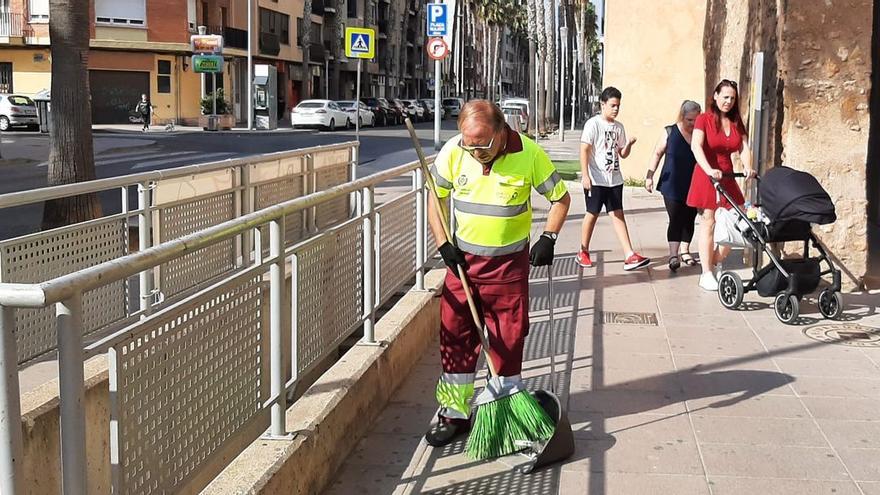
[155, 159]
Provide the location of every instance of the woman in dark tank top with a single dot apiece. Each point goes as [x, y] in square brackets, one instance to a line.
[674, 182]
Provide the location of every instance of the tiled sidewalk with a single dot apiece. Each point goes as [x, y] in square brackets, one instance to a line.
[707, 401]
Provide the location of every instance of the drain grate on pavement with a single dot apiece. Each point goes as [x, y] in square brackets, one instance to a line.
[624, 318]
[850, 334]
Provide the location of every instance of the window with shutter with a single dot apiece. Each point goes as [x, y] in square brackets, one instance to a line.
[121, 12]
[38, 10]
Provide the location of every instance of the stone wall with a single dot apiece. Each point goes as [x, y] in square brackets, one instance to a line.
[818, 80]
[653, 54]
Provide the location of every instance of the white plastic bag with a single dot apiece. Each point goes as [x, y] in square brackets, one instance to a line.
[727, 232]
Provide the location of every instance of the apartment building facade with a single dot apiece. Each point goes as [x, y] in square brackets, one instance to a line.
[142, 46]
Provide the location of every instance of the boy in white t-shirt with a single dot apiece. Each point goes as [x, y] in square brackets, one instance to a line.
[603, 144]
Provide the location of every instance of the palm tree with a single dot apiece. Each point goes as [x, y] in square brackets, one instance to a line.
[71, 153]
[337, 48]
[306, 40]
[532, 20]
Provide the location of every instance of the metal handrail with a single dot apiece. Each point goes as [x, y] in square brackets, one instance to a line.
[20, 198]
[66, 292]
[63, 287]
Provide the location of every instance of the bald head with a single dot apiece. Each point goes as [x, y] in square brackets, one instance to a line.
[482, 125]
[481, 113]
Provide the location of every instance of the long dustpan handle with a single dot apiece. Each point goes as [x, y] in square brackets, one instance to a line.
[423, 163]
[550, 304]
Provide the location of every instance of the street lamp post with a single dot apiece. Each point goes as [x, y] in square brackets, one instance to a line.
[563, 40]
[250, 65]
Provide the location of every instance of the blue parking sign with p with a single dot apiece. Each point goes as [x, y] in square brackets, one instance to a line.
[437, 19]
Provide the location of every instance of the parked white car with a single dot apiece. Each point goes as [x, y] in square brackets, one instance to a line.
[18, 111]
[452, 106]
[319, 113]
[416, 112]
[367, 117]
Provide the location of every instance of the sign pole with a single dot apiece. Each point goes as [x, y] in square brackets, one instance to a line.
[438, 110]
[357, 103]
[214, 94]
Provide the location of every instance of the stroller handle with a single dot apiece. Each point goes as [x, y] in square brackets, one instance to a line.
[736, 175]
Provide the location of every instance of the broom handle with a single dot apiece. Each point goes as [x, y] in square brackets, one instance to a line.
[552, 331]
[423, 163]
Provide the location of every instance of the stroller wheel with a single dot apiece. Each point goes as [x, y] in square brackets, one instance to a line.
[730, 290]
[830, 304]
[787, 308]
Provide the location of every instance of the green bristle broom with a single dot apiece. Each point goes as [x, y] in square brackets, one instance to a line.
[508, 416]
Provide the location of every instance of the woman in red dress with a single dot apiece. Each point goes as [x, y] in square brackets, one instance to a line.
[718, 134]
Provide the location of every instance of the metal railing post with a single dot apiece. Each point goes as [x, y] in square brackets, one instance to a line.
[11, 445]
[418, 182]
[68, 314]
[276, 345]
[145, 240]
[311, 187]
[369, 265]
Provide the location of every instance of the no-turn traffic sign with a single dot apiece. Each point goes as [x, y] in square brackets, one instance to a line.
[437, 49]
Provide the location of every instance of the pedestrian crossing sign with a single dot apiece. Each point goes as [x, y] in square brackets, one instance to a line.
[360, 42]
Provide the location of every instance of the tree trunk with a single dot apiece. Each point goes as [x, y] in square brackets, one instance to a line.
[404, 53]
[532, 31]
[71, 155]
[336, 49]
[369, 22]
[306, 37]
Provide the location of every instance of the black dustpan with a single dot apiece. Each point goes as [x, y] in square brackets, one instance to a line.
[560, 446]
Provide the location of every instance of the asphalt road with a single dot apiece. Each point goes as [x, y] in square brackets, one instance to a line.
[123, 152]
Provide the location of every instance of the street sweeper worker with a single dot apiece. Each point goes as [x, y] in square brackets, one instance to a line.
[489, 170]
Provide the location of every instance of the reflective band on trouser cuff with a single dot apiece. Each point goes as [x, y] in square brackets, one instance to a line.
[491, 250]
[454, 393]
[441, 182]
[490, 210]
[548, 184]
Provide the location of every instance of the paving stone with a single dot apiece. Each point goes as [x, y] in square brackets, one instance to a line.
[768, 461]
[758, 431]
[725, 485]
[851, 434]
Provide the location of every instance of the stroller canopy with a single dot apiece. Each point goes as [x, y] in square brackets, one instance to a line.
[788, 194]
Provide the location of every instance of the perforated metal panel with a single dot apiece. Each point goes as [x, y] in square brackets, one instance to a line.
[273, 193]
[46, 255]
[184, 382]
[329, 291]
[194, 268]
[397, 244]
[335, 211]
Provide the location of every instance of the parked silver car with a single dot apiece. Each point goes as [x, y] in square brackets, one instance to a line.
[18, 111]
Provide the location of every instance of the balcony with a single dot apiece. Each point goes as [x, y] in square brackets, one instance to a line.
[11, 25]
[235, 38]
[270, 44]
[318, 7]
[232, 37]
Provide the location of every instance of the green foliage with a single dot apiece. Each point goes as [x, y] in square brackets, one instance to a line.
[223, 106]
[633, 182]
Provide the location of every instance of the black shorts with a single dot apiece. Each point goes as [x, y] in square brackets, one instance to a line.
[611, 197]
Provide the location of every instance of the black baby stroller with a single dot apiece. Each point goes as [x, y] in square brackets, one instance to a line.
[790, 200]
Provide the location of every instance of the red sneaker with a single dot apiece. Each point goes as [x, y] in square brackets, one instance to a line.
[583, 259]
[635, 261]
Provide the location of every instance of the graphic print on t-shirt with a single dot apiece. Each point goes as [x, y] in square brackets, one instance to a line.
[612, 157]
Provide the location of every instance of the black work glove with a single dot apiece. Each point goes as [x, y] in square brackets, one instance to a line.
[542, 252]
[452, 256]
